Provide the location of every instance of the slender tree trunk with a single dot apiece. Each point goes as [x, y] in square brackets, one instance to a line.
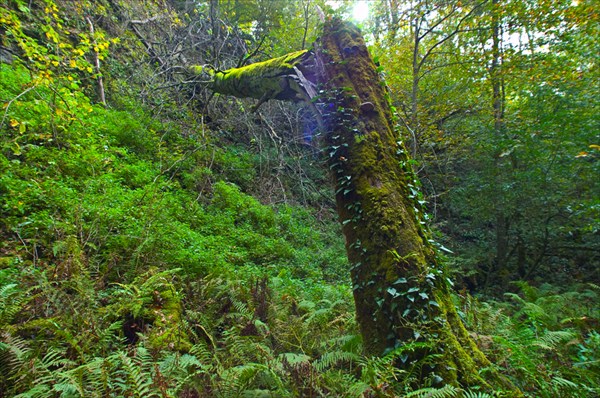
[414, 95]
[97, 64]
[502, 220]
[306, 21]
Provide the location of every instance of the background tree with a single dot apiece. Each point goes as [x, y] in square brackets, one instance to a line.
[471, 90]
[527, 153]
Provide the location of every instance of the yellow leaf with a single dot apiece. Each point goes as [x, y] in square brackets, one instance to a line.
[13, 123]
[582, 154]
[594, 146]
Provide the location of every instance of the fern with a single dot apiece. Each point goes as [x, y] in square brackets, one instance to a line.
[39, 391]
[98, 376]
[32, 375]
[347, 342]
[476, 394]
[180, 370]
[448, 391]
[564, 384]
[107, 337]
[242, 309]
[203, 354]
[14, 352]
[135, 376]
[11, 302]
[248, 379]
[551, 339]
[357, 388]
[331, 358]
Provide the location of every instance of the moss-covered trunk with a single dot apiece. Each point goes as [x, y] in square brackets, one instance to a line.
[402, 297]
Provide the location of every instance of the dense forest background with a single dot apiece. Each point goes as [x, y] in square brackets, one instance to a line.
[157, 239]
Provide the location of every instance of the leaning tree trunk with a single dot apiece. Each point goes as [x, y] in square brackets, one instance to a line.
[403, 301]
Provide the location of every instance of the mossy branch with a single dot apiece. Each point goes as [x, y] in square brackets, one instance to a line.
[285, 78]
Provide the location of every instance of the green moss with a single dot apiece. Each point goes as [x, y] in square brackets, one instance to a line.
[168, 329]
[262, 80]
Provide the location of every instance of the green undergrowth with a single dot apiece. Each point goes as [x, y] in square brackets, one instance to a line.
[133, 263]
[546, 338]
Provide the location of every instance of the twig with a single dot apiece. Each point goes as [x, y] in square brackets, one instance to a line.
[144, 21]
[13, 100]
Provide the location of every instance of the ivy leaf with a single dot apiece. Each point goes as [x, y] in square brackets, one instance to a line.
[434, 303]
[445, 249]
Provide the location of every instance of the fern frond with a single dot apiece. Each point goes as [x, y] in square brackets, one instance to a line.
[358, 388]
[242, 309]
[476, 394]
[14, 355]
[175, 364]
[11, 302]
[71, 387]
[448, 391]
[94, 378]
[135, 381]
[551, 339]
[202, 353]
[564, 384]
[347, 342]
[531, 293]
[332, 358]
[109, 335]
[39, 391]
[594, 286]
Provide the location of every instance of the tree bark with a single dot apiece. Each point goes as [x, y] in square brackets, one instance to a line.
[402, 297]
